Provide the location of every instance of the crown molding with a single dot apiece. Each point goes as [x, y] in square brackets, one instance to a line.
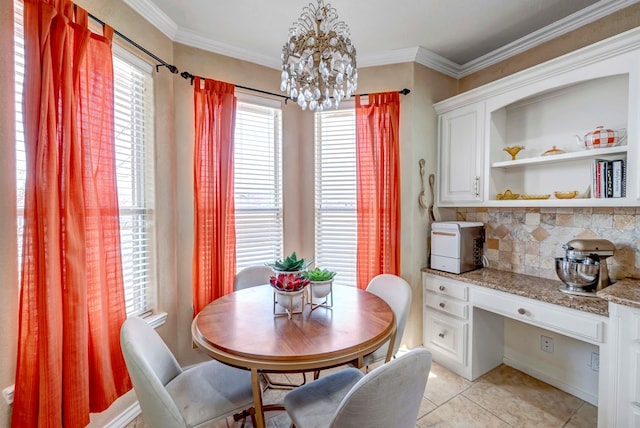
[156, 17]
[148, 10]
[396, 56]
[196, 40]
[437, 62]
[598, 52]
[576, 20]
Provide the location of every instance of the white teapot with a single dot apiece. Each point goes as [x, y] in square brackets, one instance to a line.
[602, 137]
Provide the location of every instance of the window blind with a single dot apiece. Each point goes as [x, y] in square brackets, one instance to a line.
[133, 119]
[21, 157]
[258, 184]
[335, 194]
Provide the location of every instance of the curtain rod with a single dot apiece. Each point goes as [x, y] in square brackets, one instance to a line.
[172, 68]
[186, 75]
[189, 76]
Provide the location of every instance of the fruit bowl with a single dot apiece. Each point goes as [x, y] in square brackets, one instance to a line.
[569, 194]
[507, 195]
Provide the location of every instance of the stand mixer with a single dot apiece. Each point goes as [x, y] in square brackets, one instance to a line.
[584, 267]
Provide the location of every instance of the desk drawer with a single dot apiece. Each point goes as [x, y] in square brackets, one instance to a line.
[571, 322]
[447, 287]
[446, 335]
[444, 304]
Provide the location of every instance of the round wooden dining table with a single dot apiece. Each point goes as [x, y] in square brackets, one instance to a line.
[241, 329]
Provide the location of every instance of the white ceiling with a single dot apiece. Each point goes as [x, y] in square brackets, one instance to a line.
[456, 37]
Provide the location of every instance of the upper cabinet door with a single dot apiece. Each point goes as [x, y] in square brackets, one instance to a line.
[460, 159]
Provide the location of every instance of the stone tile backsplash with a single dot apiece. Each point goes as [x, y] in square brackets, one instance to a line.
[526, 240]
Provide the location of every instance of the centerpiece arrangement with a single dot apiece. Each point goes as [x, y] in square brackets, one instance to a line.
[321, 284]
[289, 285]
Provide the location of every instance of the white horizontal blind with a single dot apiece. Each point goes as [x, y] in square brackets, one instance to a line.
[21, 157]
[335, 194]
[133, 118]
[258, 184]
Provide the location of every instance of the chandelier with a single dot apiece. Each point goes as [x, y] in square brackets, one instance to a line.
[318, 60]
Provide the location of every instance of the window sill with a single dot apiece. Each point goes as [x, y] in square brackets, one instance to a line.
[156, 320]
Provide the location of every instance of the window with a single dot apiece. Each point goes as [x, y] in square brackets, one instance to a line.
[335, 194]
[258, 182]
[133, 118]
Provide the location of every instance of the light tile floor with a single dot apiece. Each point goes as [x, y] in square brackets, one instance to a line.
[504, 397]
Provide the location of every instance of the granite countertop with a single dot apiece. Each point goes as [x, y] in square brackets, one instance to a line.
[624, 292]
[547, 290]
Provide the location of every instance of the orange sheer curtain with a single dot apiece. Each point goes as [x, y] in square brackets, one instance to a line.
[214, 252]
[378, 186]
[72, 297]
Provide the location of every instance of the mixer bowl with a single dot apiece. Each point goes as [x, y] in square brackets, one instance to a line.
[578, 275]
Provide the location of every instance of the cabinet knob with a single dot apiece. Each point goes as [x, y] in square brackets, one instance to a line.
[442, 305]
[441, 335]
[522, 311]
[441, 288]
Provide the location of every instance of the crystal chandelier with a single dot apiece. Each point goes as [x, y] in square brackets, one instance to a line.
[318, 60]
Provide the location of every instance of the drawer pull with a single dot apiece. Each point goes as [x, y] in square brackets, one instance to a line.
[442, 305]
[441, 288]
[522, 311]
[441, 335]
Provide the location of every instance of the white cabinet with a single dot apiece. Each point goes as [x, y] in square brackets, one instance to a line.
[445, 319]
[625, 358]
[460, 337]
[543, 108]
[460, 153]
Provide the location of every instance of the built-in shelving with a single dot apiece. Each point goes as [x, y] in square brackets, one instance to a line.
[549, 106]
[559, 158]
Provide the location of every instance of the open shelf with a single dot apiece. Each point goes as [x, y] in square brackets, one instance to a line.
[582, 154]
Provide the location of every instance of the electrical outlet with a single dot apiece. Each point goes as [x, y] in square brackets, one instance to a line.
[595, 361]
[546, 344]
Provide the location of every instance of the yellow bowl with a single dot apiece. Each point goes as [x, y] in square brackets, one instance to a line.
[566, 194]
[507, 195]
[531, 197]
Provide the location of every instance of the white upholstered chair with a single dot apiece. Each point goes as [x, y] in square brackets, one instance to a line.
[172, 397]
[388, 396]
[397, 293]
[253, 276]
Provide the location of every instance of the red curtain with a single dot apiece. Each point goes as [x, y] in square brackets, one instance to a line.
[378, 184]
[72, 297]
[214, 252]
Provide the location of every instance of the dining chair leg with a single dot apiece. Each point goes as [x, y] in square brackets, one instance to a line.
[242, 416]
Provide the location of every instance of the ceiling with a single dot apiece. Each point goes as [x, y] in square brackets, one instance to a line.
[456, 37]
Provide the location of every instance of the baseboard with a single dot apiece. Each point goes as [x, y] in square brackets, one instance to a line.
[563, 386]
[125, 417]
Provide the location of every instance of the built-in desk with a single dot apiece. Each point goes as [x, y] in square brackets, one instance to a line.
[464, 328]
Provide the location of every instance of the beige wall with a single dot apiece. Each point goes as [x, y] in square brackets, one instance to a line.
[174, 147]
